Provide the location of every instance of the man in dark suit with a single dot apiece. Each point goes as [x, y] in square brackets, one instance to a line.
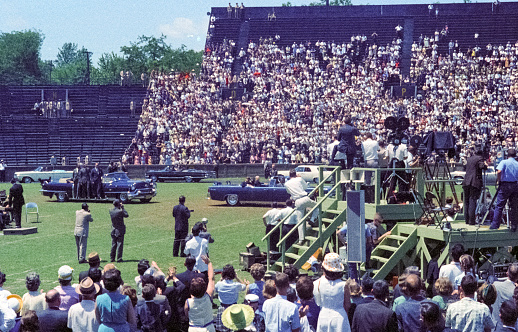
[117, 215]
[347, 146]
[181, 216]
[16, 201]
[96, 176]
[84, 178]
[472, 185]
[75, 179]
[375, 316]
[508, 315]
[174, 293]
[53, 319]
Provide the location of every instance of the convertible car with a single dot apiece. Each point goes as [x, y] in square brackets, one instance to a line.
[116, 186]
[233, 194]
[42, 173]
[169, 173]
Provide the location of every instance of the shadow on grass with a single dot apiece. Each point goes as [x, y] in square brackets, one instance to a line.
[262, 204]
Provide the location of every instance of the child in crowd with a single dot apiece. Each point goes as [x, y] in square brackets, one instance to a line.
[257, 271]
[228, 291]
[149, 316]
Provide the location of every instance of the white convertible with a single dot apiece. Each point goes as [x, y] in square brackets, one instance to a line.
[308, 172]
[42, 173]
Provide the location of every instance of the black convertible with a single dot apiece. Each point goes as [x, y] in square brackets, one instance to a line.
[116, 186]
[170, 173]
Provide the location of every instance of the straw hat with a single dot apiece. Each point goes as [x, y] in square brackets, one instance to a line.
[15, 302]
[237, 316]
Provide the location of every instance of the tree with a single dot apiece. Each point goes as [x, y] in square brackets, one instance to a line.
[287, 4]
[70, 65]
[20, 57]
[67, 54]
[332, 3]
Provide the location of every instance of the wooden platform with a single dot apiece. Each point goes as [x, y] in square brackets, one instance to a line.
[20, 231]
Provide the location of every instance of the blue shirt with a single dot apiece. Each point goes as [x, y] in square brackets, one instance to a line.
[409, 313]
[368, 231]
[280, 315]
[509, 168]
[257, 289]
[228, 291]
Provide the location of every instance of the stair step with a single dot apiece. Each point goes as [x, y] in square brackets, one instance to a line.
[386, 248]
[333, 211]
[397, 237]
[379, 259]
[327, 220]
[291, 255]
[300, 247]
[311, 238]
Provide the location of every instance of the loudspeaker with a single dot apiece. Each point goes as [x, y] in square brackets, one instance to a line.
[356, 241]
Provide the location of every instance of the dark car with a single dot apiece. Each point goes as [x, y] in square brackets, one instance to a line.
[169, 173]
[116, 186]
[233, 194]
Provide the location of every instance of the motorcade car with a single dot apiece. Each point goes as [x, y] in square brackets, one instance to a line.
[170, 173]
[42, 173]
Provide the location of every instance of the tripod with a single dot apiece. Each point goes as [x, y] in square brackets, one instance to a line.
[394, 176]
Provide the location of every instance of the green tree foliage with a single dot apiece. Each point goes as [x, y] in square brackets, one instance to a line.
[70, 66]
[287, 4]
[19, 57]
[332, 3]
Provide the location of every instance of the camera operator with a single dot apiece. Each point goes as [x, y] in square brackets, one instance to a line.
[117, 215]
[472, 185]
[397, 155]
[507, 181]
[83, 219]
[347, 146]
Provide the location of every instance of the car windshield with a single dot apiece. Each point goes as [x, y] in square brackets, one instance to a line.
[39, 169]
[115, 177]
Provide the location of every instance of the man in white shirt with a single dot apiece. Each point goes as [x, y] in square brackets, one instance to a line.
[296, 187]
[81, 316]
[288, 223]
[330, 148]
[197, 247]
[504, 291]
[370, 150]
[452, 270]
[270, 220]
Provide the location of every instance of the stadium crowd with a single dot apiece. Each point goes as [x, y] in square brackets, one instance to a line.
[296, 98]
[452, 297]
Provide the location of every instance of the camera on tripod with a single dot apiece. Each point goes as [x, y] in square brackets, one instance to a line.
[398, 126]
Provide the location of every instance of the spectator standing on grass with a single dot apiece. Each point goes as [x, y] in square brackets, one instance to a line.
[81, 316]
[181, 216]
[3, 166]
[53, 319]
[117, 215]
[257, 271]
[198, 308]
[4, 293]
[375, 316]
[280, 314]
[83, 220]
[505, 290]
[94, 262]
[16, 201]
[452, 270]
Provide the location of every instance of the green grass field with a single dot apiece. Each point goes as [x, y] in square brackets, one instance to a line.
[150, 234]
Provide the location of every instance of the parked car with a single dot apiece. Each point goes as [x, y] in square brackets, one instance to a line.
[233, 194]
[169, 173]
[490, 176]
[116, 186]
[307, 172]
[42, 173]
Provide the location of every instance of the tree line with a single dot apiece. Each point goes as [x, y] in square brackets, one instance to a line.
[21, 63]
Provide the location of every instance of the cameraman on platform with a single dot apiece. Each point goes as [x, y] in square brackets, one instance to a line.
[472, 185]
[507, 181]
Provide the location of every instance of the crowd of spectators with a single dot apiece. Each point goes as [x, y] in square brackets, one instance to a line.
[295, 98]
[190, 300]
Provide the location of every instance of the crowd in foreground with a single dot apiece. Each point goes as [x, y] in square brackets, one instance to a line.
[296, 97]
[454, 300]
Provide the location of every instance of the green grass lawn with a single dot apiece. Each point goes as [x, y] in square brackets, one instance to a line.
[150, 234]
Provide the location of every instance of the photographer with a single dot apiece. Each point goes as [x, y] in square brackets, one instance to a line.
[117, 215]
[83, 219]
[472, 185]
[507, 180]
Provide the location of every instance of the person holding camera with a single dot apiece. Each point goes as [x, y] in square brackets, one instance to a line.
[181, 216]
[117, 215]
[83, 219]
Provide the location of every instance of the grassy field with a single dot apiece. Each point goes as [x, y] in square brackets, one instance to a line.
[150, 234]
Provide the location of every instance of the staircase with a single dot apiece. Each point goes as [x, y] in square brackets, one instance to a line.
[242, 43]
[332, 215]
[406, 49]
[391, 251]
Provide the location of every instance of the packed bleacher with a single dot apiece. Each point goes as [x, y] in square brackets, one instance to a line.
[297, 96]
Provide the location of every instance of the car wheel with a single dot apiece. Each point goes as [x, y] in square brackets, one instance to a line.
[145, 200]
[26, 180]
[124, 198]
[232, 200]
[154, 178]
[62, 197]
[188, 179]
[458, 180]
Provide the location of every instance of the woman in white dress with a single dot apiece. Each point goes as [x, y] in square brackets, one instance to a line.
[333, 297]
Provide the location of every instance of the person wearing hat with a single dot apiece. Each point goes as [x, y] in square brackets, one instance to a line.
[16, 201]
[253, 301]
[181, 216]
[332, 295]
[83, 220]
[117, 215]
[238, 317]
[15, 302]
[33, 299]
[67, 292]
[94, 261]
[507, 180]
[81, 316]
[197, 247]
[7, 316]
